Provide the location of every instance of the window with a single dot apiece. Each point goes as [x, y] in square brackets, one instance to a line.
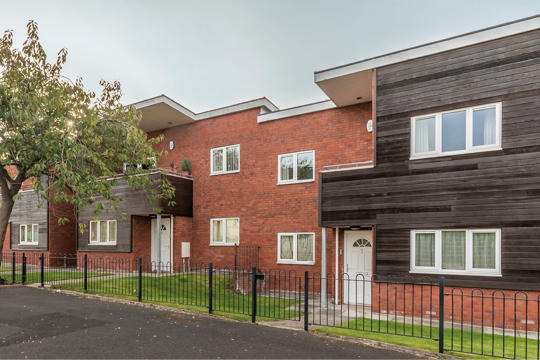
[29, 234]
[296, 248]
[456, 132]
[225, 231]
[225, 160]
[465, 252]
[103, 232]
[296, 167]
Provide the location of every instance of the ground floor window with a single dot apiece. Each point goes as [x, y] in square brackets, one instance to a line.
[463, 252]
[103, 232]
[296, 248]
[224, 231]
[29, 234]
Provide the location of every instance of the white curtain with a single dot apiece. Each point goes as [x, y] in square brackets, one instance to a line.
[102, 231]
[232, 230]
[484, 127]
[425, 250]
[93, 230]
[287, 171]
[286, 247]
[233, 158]
[489, 127]
[35, 230]
[217, 226]
[112, 231]
[305, 247]
[218, 160]
[425, 135]
[453, 250]
[484, 250]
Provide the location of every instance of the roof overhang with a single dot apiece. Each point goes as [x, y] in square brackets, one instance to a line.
[348, 84]
[162, 112]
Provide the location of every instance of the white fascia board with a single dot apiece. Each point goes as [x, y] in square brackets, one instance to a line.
[166, 100]
[263, 103]
[476, 37]
[299, 110]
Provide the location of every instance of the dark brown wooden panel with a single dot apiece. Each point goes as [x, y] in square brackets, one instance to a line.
[496, 189]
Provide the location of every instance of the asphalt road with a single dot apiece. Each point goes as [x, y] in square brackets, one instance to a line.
[38, 323]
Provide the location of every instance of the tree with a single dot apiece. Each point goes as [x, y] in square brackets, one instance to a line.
[63, 139]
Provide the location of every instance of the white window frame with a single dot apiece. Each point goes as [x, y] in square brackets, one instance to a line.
[139, 166]
[295, 168]
[469, 148]
[469, 270]
[295, 249]
[224, 171]
[223, 232]
[26, 242]
[97, 242]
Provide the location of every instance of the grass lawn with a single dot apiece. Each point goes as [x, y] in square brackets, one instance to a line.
[9, 268]
[476, 345]
[49, 276]
[191, 291]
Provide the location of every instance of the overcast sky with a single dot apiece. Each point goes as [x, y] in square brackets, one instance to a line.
[209, 54]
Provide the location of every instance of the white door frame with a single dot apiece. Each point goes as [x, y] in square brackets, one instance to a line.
[346, 249]
[153, 240]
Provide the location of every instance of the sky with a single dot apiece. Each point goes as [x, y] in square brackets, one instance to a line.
[207, 54]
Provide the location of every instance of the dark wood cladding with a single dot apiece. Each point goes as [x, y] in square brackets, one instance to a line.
[26, 211]
[135, 202]
[495, 189]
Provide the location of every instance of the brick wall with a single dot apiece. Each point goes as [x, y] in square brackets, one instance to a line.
[62, 238]
[338, 136]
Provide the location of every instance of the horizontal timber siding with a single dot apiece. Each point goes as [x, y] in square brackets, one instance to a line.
[495, 189]
[26, 211]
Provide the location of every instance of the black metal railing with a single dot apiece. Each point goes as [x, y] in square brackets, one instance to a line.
[491, 323]
[246, 256]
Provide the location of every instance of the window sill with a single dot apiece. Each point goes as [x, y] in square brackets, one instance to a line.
[296, 182]
[102, 244]
[452, 153]
[463, 273]
[310, 263]
[223, 244]
[27, 244]
[225, 173]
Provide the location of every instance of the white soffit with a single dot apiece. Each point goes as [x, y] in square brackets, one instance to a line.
[162, 112]
[330, 79]
[298, 110]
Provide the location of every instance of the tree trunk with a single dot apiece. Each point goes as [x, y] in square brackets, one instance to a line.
[6, 206]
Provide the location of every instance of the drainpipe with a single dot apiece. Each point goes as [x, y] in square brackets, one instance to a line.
[337, 266]
[158, 226]
[323, 269]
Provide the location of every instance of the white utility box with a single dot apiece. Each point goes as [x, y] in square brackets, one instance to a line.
[186, 252]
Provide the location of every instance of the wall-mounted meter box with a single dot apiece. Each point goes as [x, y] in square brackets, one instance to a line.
[186, 250]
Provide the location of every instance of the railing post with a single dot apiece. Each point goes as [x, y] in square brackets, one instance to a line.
[210, 287]
[42, 258]
[306, 304]
[441, 314]
[13, 268]
[23, 268]
[253, 294]
[140, 279]
[85, 272]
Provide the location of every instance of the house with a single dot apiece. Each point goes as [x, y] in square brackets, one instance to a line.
[254, 182]
[454, 187]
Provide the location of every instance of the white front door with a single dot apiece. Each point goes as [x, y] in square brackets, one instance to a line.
[165, 243]
[358, 252]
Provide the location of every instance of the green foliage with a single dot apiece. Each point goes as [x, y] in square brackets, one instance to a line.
[186, 165]
[67, 140]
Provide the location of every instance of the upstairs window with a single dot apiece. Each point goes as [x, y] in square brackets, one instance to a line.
[225, 160]
[459, 252]
[29, 234]
[456, 132]
[296, 167]
[103, 232]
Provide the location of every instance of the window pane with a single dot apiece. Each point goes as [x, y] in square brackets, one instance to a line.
[305, 166]
[35, 235]
[233, 158]
[217, 229]
[287, 171]
[425, 250]
[484, 127]
[112, 231]
[218, 160]
[453, 250]
[425, 135]
[102, 231]
[286, 252]
[232, 230]
[454, 129]
[93, 231]
[29, 233]
[305, 247]
[484, 250]
[22, 235]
